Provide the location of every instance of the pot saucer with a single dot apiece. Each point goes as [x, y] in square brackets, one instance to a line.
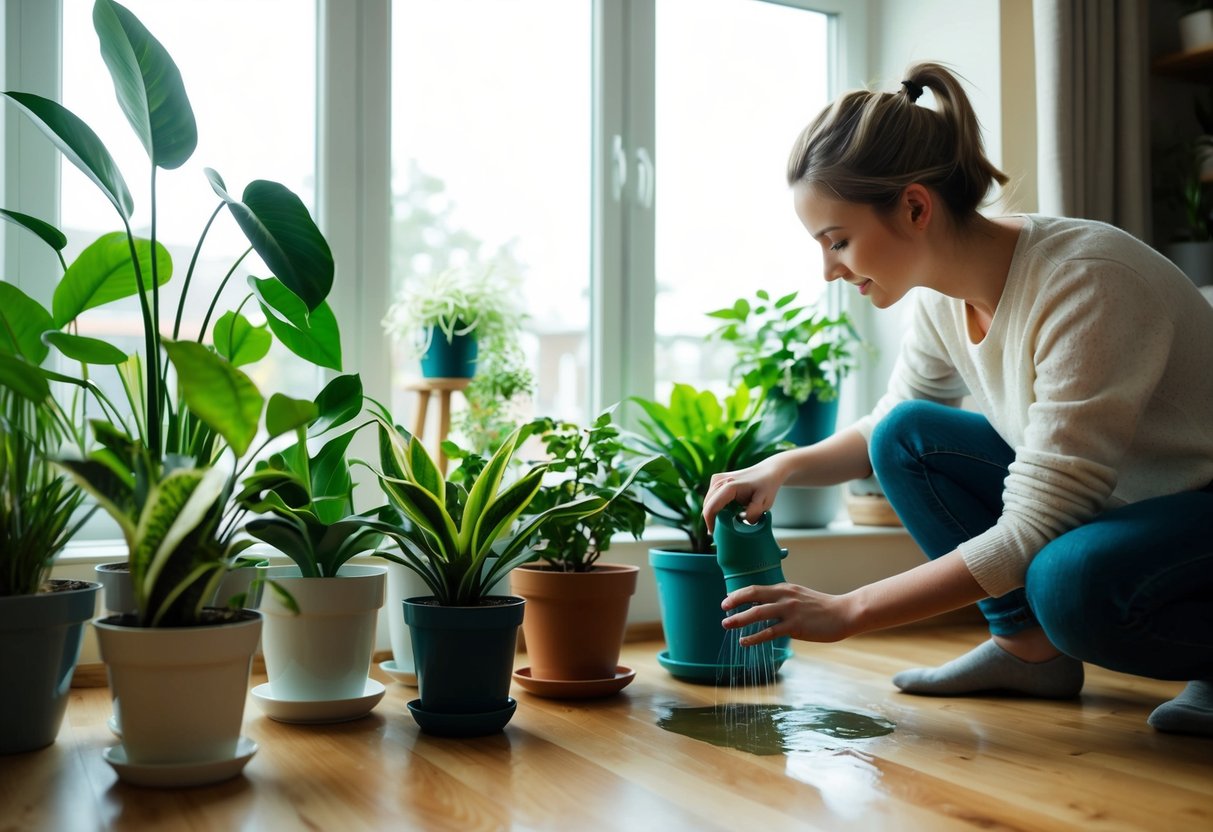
[114, 726]
[462, 725]
[400, 674]
[179, 775]
[575, 689]
[318, 711]
[715, 674]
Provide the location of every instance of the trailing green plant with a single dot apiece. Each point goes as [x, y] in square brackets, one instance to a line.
[702, 435]
[448, 530]
[477, 298]
[789, 347]
[165, 467]
[309, 498]
[590, 462]
[493, 395]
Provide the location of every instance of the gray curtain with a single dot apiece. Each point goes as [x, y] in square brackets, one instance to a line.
[1091, 81]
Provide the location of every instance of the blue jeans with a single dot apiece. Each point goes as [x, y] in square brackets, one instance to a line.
[1131, 590]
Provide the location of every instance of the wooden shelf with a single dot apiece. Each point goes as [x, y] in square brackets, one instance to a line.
[1195, 65]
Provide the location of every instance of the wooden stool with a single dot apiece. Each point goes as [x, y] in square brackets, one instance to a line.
[444, 387]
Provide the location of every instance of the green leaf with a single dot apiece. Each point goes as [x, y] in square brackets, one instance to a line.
[148, 85]
[219, 394]
[24, 379]
[46, 232]
[81, 348]
[104, 272]
[237, 340]
[339, 402]
[282, 232]
[77, 141]
[314, 337]
[284, 414]
[22, 318]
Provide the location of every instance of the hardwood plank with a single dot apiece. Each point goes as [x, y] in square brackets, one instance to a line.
[950, 764]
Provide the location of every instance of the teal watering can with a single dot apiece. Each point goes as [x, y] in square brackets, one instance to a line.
[747, 552]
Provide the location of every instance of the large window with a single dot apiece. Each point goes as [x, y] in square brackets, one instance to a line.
[245, 132]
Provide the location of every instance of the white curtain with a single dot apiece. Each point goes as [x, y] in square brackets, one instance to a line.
[1091, 81]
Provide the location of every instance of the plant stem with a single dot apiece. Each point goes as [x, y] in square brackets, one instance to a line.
[211, 310]
[151, 343]
[189, 274]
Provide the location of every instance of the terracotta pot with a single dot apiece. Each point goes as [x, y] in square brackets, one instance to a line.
[574, 621]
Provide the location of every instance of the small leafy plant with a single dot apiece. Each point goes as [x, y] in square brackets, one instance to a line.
[309, 499]
[458, 301]
[448, 530]
[789, 347]
[591, 463]
[701, 435]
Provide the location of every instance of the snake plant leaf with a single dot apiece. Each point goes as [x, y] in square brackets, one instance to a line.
[22, 322]
[280, 229]
[311, 335]
[105, 272]
[503, 510]
[174, 508]
[219, 394]
[82, 348]
[239, 341]
[284, 414]
[24, 379]
[46, 232]
[483, 494]
[148, 85]
[428, 512]
[79, 144]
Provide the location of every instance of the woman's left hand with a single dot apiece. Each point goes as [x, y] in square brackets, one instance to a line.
[792, 610]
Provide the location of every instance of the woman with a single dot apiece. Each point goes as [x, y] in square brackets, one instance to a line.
[1076, 507]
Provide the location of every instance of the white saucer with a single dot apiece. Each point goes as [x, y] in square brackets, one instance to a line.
[177, 775]
[331, 710]
[115, 728]
[404, 677]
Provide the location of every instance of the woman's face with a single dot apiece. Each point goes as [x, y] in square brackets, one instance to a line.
[857, 245]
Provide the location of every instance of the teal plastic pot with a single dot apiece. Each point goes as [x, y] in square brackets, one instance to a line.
[450, 359]
[690, 587]
[464, 655]
[40, 638]
[815, 420]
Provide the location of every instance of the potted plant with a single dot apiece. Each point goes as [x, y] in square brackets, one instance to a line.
[1191, 246]
[318, 648]
[41, 620]
[700, 435]
[447, 317]
[463, 639]
[577, 607]
[166, 468]
[796, 352]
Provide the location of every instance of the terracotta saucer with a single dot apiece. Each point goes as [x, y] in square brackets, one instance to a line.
[580, 689]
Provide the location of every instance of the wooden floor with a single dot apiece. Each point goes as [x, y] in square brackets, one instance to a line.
[1003, 764]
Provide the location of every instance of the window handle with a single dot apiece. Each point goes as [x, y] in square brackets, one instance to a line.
[645, 176]
[619, 175]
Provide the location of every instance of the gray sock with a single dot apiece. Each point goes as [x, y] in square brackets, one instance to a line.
[988, 667]
[1189, 713]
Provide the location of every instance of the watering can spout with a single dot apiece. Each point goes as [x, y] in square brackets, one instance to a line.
[747, 552]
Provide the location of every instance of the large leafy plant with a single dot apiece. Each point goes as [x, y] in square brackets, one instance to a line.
[448, 531]
[308, 498]
[588, 462]
[702, 435]
[166, 465]
[789, 347]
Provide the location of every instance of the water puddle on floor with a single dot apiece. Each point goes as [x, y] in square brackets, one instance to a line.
[773, 729]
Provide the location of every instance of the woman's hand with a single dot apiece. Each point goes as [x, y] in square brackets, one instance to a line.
[792, 610]
[754, 487]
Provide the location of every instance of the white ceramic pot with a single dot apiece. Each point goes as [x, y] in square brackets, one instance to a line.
[800, 507]
[180, 690]
[1196, 30]
[324, 652]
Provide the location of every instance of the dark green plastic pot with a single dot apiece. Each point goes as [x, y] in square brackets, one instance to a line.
[40, 638]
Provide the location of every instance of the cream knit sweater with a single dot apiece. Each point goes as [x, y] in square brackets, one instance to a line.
[1097, 369]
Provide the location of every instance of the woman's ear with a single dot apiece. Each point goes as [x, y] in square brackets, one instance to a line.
[916, 206]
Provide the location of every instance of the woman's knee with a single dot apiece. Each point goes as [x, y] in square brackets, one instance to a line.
[1074, 599]
[897, 437]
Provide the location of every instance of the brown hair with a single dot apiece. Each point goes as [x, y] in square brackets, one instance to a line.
[868, 146]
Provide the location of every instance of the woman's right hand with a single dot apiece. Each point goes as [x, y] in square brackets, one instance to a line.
[754, 487]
